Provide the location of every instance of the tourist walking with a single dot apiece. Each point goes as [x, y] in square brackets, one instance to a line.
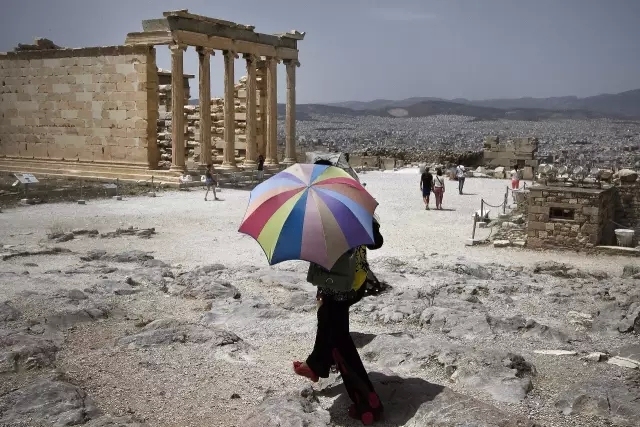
[515, 178]
[426, 185]
[210, 182]
[260, 174]
[461, 177]
[338, 289]
[438, 187]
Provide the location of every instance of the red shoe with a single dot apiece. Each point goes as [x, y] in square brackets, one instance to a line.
[304, 370]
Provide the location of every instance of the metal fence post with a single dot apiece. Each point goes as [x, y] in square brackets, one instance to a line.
[475, 221]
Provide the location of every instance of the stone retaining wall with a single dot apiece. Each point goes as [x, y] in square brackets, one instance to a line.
[88, 104]
[593, 211]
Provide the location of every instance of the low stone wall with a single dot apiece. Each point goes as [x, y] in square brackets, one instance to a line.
[590, 225]
[88, 104]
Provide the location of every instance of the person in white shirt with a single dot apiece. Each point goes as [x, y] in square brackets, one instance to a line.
[438, 187]
[515, 178]
[461, 177]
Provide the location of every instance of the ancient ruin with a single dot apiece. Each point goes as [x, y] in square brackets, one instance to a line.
[93, 112]
[578, 212]
[517, 151]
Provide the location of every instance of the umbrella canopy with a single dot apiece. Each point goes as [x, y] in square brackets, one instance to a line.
[309, 212]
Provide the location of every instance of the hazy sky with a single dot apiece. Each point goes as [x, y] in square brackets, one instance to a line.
[368, 49]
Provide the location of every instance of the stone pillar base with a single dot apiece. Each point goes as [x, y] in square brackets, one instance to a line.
[228, 166]
[289, 161]
[176, 168]
[250, 162]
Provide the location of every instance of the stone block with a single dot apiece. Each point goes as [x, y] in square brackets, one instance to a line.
[590, 210]
[127, 87]
[537, 225]
[60, 88]
[117, 114]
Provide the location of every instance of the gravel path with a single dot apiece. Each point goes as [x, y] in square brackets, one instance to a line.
[194, 232]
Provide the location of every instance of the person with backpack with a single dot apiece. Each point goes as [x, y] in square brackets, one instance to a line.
[338, 289]
[426, 185]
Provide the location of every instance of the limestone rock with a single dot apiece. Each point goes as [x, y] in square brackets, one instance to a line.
[51, 401]
[22, 350]
[8, 312]
[204, 283]
[609, 398]
[556, 352]
[628, 175]
[624, 362]
[294, 409]
[630, 270]
[168, 331]
[127, 256]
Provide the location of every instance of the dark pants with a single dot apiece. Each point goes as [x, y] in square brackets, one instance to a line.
[333, 336]
[460, 184]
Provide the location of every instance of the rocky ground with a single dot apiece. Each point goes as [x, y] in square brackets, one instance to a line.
[52, 190]
[156, 312]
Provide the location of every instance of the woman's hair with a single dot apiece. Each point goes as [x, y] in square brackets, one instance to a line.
[209, 165]
[323, 162]
[439, 172]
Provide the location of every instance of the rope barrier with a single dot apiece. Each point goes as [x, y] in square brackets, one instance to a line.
[492, 206]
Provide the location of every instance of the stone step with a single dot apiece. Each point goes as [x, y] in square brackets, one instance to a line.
[125, 173]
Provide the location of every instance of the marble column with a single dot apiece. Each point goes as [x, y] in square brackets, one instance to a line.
[229, 160]
[262, 72]
[290, 155]
[177, 108]
[272, 112]
[252, 120]
[204, 56]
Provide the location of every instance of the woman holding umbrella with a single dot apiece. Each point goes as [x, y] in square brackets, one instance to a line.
[338, 289]
[321, 214]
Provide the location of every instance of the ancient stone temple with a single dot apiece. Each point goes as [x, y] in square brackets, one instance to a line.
[93, 112]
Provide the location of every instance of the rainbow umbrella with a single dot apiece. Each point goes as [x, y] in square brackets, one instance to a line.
[309, 212]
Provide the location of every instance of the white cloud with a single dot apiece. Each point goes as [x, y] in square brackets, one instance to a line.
[400, 14]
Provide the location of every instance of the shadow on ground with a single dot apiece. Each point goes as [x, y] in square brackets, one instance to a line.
[401, 397]
[361, 339]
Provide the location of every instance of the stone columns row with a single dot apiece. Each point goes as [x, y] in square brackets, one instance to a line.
[271, 134]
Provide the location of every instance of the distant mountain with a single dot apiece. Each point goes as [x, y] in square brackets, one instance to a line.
[438, 107]
[625, 104]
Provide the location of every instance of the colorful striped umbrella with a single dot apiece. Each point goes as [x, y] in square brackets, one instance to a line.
[309, 212]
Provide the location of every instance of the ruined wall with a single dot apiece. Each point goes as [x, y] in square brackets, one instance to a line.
[590, 226]
[192, 122]
[517, 151]
[628, 207]
[88, 104]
